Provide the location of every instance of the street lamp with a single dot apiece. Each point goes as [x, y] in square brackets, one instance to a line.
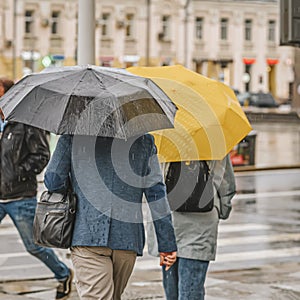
[14, 47]
[86, 32]
[148, 33]
[186, 16]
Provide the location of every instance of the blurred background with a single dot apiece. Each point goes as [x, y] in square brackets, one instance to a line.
[252, 46]
[238, 42]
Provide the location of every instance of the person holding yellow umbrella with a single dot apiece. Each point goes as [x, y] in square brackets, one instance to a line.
[196, 233]
[208, 124]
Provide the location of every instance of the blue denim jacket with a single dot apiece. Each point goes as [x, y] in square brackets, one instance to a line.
[110, 177]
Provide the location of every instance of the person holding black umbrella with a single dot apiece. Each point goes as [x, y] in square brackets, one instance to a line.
[110, 177]
[24, 152]
[103, 116]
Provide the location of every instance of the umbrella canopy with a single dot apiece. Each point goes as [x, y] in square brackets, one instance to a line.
[209, 121]
[89, 100]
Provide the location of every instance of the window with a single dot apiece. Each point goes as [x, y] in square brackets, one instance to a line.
[166, 27]
[105, 24]
[224, 29]
[129, 25]
[199, 28]
[271, 31]
[55, 22]
[248, 30]
[29, 21]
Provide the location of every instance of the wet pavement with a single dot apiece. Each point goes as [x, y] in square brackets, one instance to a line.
[277, 144]
[258, 247]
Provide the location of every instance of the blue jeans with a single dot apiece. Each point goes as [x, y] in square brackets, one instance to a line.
[22, 214]
[185, 279]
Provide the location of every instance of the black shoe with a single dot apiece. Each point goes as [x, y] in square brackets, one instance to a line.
[64, 288]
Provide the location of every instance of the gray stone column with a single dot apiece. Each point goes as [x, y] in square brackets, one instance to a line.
[86, 32]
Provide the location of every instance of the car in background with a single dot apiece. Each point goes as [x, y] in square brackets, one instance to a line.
[236, 91]
[262, 100]
[257, 99]
[244, 98]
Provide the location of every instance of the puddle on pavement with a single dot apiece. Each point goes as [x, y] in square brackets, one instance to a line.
[277, 282]
[282, 140]
[266, 274]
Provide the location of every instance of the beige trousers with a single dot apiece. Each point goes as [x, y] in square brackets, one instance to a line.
[101, 273]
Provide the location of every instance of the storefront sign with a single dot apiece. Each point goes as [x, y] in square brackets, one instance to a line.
[272, 62]
[249, 61]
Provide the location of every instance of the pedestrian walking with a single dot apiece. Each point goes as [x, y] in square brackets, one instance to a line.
[110, 177]
[196, 237]
[24, 152]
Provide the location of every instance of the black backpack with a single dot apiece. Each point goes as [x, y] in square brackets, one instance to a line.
[190, 187]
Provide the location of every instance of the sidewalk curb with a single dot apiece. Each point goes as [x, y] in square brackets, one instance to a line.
[266, 168]
[256, 116]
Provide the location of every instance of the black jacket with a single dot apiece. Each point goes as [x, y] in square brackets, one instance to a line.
[24, 153]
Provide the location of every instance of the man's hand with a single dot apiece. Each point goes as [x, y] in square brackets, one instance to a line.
[167, 259]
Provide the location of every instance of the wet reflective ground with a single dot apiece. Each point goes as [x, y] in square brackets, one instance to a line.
[277, 144]
[259, 246]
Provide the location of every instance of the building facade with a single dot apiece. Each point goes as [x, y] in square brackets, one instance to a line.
[233, 41]
[238, 42]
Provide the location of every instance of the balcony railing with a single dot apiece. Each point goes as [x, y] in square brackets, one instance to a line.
[56, 44]
[224, 46]
[29, 42]
[248, 46]
[106, 46]
[130, 46]
[199, 46]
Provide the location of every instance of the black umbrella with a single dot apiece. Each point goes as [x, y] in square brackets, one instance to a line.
[89, 100]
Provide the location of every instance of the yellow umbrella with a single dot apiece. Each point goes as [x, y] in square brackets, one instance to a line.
[209, 120]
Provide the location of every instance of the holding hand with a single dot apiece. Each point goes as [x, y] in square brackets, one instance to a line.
[167, 259]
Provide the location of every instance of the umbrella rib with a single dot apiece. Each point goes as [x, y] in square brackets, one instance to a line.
[75, 83]
[166, 106]
[14, 95]
[70, 94]
[142, 88]
[66, 106]
[146, 80]
[116, 106]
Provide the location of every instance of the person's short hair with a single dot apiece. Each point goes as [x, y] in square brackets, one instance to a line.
[6, 83]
